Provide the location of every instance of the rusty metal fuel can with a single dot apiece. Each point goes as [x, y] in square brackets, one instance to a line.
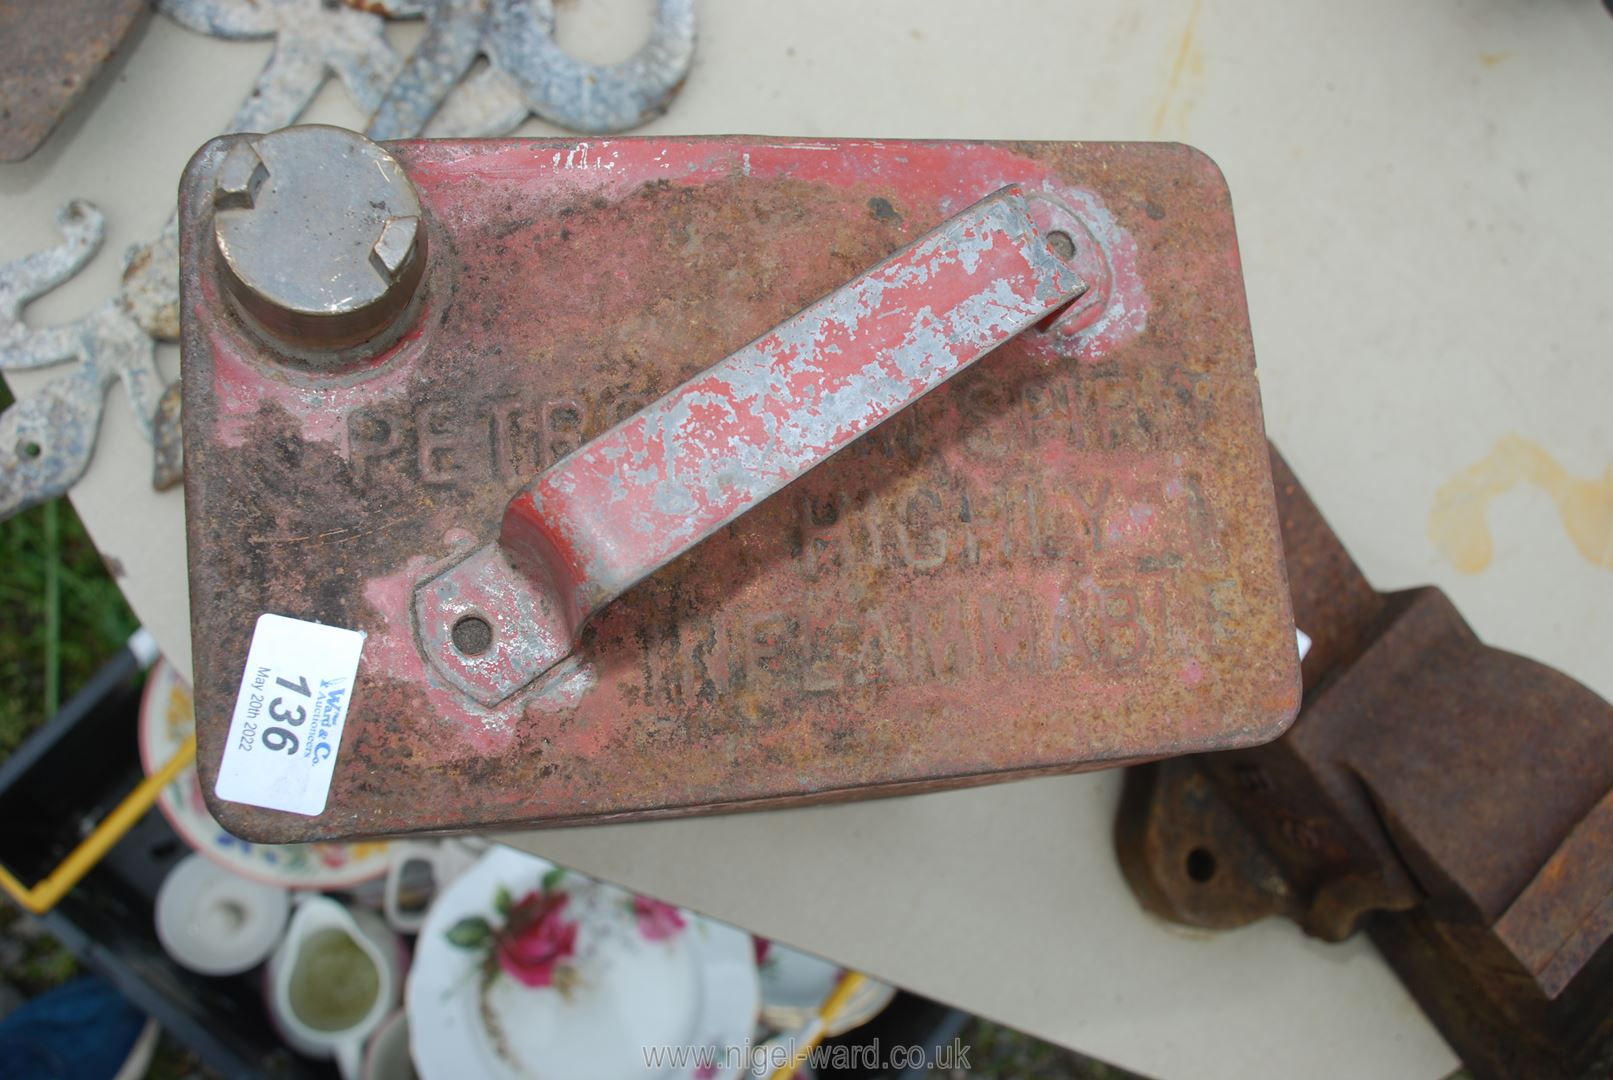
[669, 476]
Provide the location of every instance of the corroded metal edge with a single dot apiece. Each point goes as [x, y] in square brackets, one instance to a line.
[49, 56]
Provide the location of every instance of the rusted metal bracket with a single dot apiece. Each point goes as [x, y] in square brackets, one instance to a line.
[1454, 800]
[643, 493]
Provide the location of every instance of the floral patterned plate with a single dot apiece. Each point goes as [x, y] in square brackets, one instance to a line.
[166, 717]
[525, 970]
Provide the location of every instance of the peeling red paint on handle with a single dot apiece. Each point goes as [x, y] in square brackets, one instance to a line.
[649, 489]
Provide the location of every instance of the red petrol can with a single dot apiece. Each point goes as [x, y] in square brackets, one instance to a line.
[1066, 557]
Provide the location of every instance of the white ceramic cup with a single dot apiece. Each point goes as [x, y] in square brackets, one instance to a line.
[388, 1055]
[330, 949]
[415, 861]
[215, 922]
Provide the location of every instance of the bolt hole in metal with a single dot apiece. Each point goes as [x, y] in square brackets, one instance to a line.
[1063, 245]
[473, 635]
[29, 450]
[1201, 865]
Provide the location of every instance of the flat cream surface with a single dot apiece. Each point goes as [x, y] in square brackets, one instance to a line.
[1422, 197]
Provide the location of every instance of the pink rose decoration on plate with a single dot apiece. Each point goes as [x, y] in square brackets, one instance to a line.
[657, 920]
[536, 939]
[533, 944]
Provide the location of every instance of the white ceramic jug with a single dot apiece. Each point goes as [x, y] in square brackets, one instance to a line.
[333, 980]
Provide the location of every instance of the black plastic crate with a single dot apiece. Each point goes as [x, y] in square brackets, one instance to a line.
[53, 791]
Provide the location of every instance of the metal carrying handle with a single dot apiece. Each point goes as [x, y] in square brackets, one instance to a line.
[652, 487]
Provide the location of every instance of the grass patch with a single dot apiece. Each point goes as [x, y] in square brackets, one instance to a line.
[62, 614]
[62, 618]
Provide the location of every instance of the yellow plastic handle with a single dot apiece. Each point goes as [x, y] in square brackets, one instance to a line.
[82, 859]
[849, 984]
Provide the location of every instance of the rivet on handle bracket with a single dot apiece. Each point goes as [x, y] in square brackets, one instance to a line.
[630, 501]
